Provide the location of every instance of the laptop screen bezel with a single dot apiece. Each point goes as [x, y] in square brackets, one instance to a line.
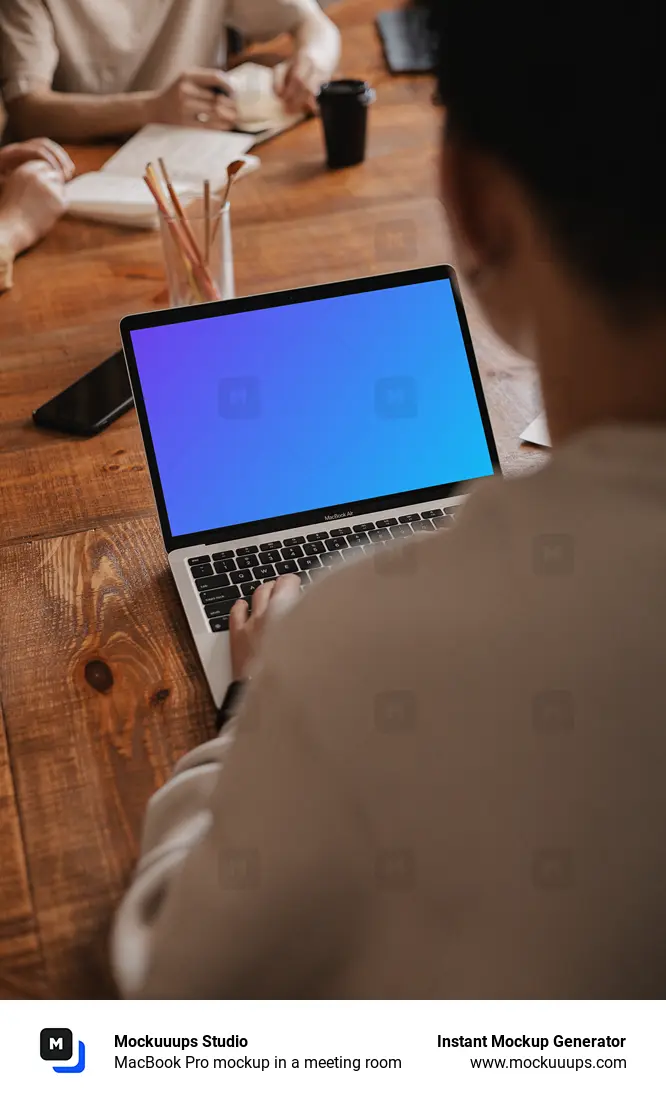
[253, 303]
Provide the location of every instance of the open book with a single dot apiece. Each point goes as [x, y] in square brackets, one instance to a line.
[117, 194]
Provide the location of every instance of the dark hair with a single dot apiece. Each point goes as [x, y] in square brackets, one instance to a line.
[571, 98]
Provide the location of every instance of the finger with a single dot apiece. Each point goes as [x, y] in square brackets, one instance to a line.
[280, 77]
[283, 594]
[261, 598]
[226, 112]
[192, 93]
[238, 616]
[210, 78]
[57, 155]
[286, 592]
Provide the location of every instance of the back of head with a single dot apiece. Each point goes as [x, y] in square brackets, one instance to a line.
[571, 99]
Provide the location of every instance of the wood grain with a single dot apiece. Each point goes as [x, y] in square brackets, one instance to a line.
[99, 684]
[102, 696]
[21, 962]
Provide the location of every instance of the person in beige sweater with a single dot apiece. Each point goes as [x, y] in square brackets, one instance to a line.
[445, 775]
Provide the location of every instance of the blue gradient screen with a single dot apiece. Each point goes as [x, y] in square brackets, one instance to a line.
[311, 405]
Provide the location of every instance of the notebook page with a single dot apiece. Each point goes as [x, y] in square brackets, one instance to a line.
[191, 155]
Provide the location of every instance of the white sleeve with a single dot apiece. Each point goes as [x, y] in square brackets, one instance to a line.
[247, 849]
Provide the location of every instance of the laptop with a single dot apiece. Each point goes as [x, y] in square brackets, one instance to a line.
[299, 431]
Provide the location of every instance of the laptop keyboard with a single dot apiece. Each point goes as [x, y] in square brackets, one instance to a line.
[228, 575]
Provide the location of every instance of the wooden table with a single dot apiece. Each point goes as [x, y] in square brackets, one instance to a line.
[100, 687]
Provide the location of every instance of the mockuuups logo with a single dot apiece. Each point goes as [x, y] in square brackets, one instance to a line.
[56, 1044]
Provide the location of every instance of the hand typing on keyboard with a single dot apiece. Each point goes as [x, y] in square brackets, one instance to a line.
[246, 629]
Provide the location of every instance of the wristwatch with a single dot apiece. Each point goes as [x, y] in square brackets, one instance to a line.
[229, 703]
[6, 267]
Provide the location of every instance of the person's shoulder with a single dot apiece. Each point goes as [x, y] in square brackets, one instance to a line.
[524, 553]
[397, 592]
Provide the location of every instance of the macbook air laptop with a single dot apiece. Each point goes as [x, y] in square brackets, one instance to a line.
[298, 431]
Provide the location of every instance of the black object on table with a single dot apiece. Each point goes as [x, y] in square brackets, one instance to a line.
[343, 106]
[407, 39]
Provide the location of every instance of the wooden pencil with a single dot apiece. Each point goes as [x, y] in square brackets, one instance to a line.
[207, 217]
[211, 288]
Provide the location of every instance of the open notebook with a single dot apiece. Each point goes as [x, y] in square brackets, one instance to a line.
[117, 194]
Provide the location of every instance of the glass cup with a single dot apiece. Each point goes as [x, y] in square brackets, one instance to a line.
[343, 106]
[190, 282]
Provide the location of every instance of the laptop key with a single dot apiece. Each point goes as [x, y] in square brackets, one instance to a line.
[246, 550]
[383, 535]
[451, 511]
[202, 560]
[264, 572]
[340, 531]
[219, 624]
[355, 540]
[297, 540]
[240, 575]
[222, 607]
[292, 552]
[202, 571]
[353, 552]
[386, 522]
[270, 545]
[410, 518]
[317, 536]
[423, 525]
[313, 548]
[208, 584]
[222, 555]
[268, 557]
[443, 521]
[333, 557]
[402, 531]
[226, 566]
[304, 578]
[309, 563]
[246, 561]
[432, 514]
[336, 543]
[230, 593]
[364, 526]
[284, 567]
[250, 587]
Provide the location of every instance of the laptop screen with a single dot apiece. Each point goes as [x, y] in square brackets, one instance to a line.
[310, 405]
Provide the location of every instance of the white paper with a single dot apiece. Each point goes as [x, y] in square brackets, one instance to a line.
[118, 199]
[259, 107]
[126, 200]
[191, 155]
[537, 432]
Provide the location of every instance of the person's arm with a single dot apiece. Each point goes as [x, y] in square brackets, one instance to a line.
[248, 884]
[316, 40]
[317, 53]
[68, 117]
[33, 177]
[318, 35]
[77, 118]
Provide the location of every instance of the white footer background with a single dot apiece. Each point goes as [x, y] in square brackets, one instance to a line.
[403, 1030]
